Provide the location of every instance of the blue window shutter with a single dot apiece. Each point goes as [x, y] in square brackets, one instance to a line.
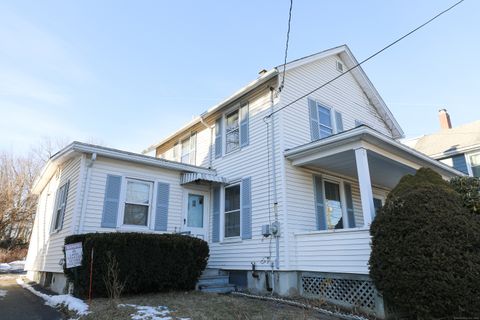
[244, 126]
[161, 210]
[246, 208]
[218, 138]
[339, 121]
[319, 205]
[216, 215]
[314, 127]
[349, 201]
[460, 163]
[111, 201]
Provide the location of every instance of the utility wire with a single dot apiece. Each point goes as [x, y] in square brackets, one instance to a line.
[286, 45]
[363, 61]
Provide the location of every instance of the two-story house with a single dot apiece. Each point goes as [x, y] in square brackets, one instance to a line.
[459, 146]
[283, 183]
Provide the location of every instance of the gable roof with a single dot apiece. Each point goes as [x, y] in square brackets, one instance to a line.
[77, 148]
[360, 76]
[345, 54]
[448, 142]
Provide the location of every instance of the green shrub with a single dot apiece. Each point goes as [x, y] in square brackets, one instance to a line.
[146, 262]
[469, 190]
[426, 250]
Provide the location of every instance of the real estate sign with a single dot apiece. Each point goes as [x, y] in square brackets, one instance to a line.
[73, 254]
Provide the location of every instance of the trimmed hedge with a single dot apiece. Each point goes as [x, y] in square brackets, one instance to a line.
[147, 262]
[426, 250]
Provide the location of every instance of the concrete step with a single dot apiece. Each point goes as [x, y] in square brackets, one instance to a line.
[212, 280]
[213, 272]
[226, 288]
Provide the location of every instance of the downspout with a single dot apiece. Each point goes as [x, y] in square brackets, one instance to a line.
[89, 164]
[211, 140]
[275, 229]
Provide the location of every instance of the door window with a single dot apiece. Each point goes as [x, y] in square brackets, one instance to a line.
[195, 211]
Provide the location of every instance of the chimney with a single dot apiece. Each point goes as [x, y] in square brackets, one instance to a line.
[444, 118]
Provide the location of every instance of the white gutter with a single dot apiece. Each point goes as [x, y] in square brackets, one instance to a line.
[252, 85]
[79, 147]
[357, 133]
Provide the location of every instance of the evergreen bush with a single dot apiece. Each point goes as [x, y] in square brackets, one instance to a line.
[469, 190]
[426, 250]
[146, 262]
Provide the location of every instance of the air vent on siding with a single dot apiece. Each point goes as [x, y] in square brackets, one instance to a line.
[339, 66]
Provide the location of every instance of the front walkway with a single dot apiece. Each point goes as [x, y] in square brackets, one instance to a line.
[20, 304]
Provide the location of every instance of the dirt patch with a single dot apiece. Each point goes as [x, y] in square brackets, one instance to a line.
[198, 305]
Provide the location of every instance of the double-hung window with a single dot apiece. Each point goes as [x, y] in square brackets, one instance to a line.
[60, 206]
[334, 212]
[325, 121]
[138, 200]
[475, 165]
[185, 151]
[232, 131]
[232, 211]
[188, 148]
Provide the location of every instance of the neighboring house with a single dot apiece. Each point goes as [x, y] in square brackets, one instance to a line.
[458, 147]
[291, 193]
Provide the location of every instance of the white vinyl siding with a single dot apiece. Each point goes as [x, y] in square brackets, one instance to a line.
[96, 193]
[45, 250]
[344, 95]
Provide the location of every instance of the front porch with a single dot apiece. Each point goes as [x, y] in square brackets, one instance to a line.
[349, 171]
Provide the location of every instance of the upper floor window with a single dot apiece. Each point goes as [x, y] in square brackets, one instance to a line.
[475, 164]
[234, 128]
[232, 131]
[185, 158]
[137, 202]
[185, 150]
[325, 121]
[60, 206]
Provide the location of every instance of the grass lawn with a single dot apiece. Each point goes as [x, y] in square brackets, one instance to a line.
[197, 305]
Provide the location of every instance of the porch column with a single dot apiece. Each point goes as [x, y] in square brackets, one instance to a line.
[366, 194]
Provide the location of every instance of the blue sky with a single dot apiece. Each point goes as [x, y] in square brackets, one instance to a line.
[127, 73]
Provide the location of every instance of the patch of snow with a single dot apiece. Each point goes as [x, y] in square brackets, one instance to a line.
[3, 293]
[5, 266]
[72, 303]
[150, 313]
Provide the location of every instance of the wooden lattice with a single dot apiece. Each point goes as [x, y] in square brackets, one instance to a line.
[356, 293]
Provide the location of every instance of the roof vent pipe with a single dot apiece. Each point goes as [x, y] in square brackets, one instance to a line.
[444, 118]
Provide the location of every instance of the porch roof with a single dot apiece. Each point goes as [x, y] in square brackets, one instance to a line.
[388, 159]
[188, 177]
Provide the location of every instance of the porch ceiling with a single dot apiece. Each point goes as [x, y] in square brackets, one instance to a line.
[383, 171]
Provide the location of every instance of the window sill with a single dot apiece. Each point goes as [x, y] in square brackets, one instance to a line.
[134, 228]
[232, 240]
[357, 229]
[55, 232]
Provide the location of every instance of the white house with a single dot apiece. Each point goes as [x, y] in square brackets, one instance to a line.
[290, 191]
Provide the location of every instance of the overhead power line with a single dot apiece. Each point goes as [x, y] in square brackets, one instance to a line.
[365, 60]
[286, 44]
